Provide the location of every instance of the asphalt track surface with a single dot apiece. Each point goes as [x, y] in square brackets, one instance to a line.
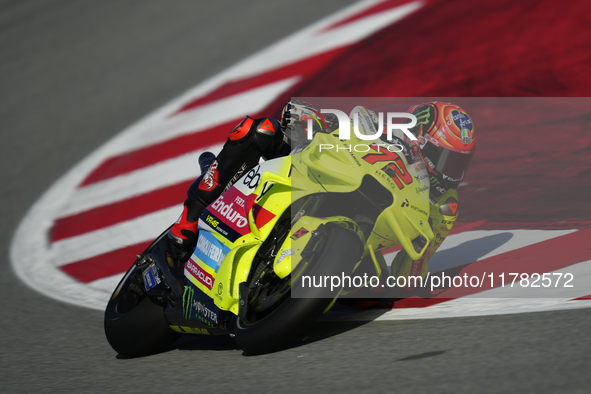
[75, 73]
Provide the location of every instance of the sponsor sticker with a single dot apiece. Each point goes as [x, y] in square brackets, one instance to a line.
[300, 233]
[284, 254]
[198, 273]
[460, 119]
[227, 215]
[298, 215]
[252, 178]
[210, 251]
[204, 311]
[151, 277]
[406, 203]
[210, 180]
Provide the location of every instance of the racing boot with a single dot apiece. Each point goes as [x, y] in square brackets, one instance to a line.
[183, 233]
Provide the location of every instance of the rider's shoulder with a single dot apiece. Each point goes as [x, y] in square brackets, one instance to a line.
[266, 126]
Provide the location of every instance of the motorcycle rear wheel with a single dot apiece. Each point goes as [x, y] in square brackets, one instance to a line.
[289, 316]
[135, 324]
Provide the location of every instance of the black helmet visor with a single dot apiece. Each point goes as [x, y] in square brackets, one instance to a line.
[451, 165]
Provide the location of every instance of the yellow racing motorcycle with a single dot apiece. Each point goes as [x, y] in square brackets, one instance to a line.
[269, 248]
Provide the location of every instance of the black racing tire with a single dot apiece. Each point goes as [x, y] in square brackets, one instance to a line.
[135, 324]
[292, 316]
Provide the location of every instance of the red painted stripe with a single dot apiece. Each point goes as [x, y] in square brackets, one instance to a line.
[484, 224]
[394, 62]
[539, 258]
[587, 297]
[105, 265]
[121, 211]
[527, 225]
[376, 9]
[392, 249]
[543, 257]
[302, 67]
[153, 154]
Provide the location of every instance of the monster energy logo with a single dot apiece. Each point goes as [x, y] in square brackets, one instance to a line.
[423, 116]
[188, 301]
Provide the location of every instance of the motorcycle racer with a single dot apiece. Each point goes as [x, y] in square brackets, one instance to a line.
[250, 140]
[445, 143]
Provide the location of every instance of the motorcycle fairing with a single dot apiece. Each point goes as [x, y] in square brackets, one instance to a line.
[227, 243]
[232, 228]
[342, 170]
[289, 255]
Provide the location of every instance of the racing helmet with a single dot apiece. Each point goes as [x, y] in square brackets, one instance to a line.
[294, 122]
[445, 143]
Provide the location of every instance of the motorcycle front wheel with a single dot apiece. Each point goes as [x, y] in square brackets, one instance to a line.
[273, 318]
[135, 324]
